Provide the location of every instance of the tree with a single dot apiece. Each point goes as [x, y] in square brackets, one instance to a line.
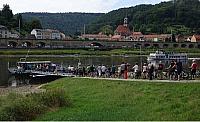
[107, 30]
[7, 12]
[35, 24]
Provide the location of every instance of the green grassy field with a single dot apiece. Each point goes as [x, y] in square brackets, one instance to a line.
[124, 100]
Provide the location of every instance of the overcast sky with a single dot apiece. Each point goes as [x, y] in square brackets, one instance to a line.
[53, 6]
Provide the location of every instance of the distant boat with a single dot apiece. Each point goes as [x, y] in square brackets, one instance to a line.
[161, 55]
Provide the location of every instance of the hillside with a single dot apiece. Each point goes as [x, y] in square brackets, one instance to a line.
[69, 23]
[183, 17]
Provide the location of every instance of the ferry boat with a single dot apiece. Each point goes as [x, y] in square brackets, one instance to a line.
[38, 69]
[161, 55]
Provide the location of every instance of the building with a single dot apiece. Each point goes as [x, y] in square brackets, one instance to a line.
[47, 34]
[195, 38]
[6, 33]
[183, 38]
[157, 38]
[117, 38]
[123, 30]
[137, 36]
[99, 36]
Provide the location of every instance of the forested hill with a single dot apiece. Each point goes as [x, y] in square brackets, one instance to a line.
[183, 17]
[69, 23]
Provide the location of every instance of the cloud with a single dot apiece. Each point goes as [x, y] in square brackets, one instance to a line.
[101, 6]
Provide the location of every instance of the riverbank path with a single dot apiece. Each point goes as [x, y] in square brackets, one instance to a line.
[144, 80]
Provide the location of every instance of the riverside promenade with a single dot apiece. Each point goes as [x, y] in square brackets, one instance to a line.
[144, 80]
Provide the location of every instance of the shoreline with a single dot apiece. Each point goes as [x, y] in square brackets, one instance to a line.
[26, 89]
[65, 56]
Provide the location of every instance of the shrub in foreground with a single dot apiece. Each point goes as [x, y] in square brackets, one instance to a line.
[30, 106]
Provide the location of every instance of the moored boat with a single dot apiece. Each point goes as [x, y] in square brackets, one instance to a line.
[161, 55]
[38, 69]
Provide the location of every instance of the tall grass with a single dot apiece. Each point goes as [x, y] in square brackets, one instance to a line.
[16, 107]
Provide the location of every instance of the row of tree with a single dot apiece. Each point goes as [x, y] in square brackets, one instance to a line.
[68, 23]
[177, 16]
[16, 22]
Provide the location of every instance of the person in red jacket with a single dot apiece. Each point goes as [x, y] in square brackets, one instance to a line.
[193, 67]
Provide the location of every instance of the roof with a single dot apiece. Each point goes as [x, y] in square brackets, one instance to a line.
[116, 37]
[151, 36]
[123, 30]
[197, 37]
[157, 36]
[137, 33]
[47, 30]
[94, 36]
[3, 27]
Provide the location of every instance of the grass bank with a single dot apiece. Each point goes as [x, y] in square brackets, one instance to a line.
[21, 107]
[93, 52]
[124, 100]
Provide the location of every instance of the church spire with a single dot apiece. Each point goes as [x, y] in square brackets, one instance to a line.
[126, 22]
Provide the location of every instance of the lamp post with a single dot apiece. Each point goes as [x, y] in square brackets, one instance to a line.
[141, 57]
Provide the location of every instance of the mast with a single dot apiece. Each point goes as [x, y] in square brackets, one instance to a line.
[84, 29]
[19, 27]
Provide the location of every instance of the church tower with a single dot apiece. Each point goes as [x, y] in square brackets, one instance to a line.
[125, 22]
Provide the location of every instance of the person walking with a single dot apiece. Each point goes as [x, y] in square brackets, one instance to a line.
[160, 70]
[151, 71]
[171, 69]
[113, 70]
[126, 71]
[123, 65]
[136, 71]
[179, 68]
[193, 69]
[144, 71]
[99, 71]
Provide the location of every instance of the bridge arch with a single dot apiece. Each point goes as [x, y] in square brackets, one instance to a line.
[12, 44]
[183, 45]
[165, 45]
[175, 45]
[156, 45]
[40, 44]
[191, 45]
[147, 45]
[27, 44]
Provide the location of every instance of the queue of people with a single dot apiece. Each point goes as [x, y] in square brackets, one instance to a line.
[147, 71]
[124, 70]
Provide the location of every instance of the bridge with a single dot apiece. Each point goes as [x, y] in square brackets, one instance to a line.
[75, 44]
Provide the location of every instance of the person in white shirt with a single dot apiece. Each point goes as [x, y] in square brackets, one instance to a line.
[144, 70]
[136, 70]
[99, 70]
[103, 70]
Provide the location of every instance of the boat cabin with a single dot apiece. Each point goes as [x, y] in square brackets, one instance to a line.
[34, 65]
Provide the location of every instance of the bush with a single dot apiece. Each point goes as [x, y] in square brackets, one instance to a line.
[53, 98]
[24, 108]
